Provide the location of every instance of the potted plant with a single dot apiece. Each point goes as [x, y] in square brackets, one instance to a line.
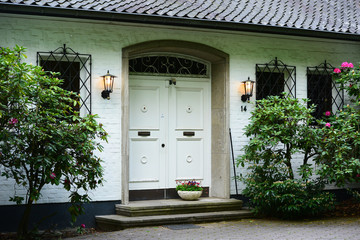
[189, 190]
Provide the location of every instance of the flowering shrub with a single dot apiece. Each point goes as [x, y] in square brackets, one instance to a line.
[43, 139]
[339, 144]
[281, 127]
[188, 185]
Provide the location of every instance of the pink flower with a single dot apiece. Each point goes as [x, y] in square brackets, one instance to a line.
[13, 121]
[327, 113]
[52, 175]
[350, 65]
[82, 225]
[337, 70]
[345, 65]
[327, 125]
[357, 175]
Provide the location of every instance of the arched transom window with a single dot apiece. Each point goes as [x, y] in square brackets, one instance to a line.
[164, 64]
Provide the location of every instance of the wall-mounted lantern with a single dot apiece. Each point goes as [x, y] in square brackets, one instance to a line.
[108, 85]
[248, 88]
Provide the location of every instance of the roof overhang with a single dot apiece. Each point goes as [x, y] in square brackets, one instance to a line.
[168, 20]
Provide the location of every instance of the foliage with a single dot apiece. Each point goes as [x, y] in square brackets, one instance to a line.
[43, 140]
[339, 143]
[188, 185]
[289, 198]
[281, 127]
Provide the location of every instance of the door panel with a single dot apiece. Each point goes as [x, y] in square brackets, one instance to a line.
[176, 119]
[189, 158]
[189, 108]
[189, 134]
[145, 107]
[146, 134]
[145, 162]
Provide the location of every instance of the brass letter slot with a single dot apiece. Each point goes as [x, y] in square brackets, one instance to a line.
[143, 134]
[189, 134]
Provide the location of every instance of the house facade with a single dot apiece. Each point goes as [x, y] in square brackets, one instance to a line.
[178, 89]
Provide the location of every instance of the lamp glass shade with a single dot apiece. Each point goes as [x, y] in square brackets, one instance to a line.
[108, 81]
[248, 87]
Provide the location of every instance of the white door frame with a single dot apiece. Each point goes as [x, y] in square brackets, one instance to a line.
[220, 147]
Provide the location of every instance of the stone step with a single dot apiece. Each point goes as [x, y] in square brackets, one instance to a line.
[177, 206]
[119, 222]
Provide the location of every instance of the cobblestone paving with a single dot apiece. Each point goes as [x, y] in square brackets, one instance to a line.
[341, 228]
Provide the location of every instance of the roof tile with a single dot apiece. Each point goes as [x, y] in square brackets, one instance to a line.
[323, 15]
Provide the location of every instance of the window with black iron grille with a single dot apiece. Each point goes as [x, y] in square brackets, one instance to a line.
[74, 69]
[168, 65]
[323, 91]
[273, 78]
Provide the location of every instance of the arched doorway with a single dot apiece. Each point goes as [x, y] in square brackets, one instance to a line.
[220, 163]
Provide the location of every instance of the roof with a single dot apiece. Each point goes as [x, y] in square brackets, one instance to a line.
[331, 16]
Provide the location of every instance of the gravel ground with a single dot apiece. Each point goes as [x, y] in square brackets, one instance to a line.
[261, 229]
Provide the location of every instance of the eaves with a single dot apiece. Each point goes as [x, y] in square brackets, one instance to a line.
[171, 21]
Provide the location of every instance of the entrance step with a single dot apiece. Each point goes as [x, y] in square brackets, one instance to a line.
[177, 206]
[118, 222]
[172, 211]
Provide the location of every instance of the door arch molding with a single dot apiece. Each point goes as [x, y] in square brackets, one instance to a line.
[220, 157]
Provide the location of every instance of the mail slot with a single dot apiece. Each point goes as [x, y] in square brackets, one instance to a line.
[189, 134]
[144, 134]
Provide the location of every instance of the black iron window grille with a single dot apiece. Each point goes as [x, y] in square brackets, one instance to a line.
[323, 91]
[168, 66]
[274, 78]
[74, 69]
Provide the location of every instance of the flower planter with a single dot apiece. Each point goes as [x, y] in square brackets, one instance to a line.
[189, 195]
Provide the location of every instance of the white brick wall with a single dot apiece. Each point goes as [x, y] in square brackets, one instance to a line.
[105, 40]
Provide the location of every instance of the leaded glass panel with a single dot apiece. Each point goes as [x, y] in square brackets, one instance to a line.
[168, 65]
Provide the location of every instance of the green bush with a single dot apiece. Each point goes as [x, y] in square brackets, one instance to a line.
[281, 127]
[288, 199]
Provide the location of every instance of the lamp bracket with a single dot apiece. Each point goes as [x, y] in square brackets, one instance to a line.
[105, 94]
[245, 98]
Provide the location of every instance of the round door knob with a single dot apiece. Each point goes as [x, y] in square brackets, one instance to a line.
[163, 145]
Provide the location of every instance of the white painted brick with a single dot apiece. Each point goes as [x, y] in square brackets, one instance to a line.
[104, 41]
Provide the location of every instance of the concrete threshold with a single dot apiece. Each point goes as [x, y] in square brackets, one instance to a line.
[177, 206]
[172, 211]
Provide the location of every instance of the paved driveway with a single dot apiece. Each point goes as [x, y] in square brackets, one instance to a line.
[339, 228]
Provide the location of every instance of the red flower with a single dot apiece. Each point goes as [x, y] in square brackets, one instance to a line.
[13, 121]
[337, 70]
[344, 65]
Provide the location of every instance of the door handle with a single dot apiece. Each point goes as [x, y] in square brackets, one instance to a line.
[163, 145]
[189, 134]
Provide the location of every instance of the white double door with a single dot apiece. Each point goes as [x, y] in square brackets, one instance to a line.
[169, 132]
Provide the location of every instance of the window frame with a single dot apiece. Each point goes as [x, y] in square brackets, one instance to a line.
[337, 93]
[277, 67]
[66, 54]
